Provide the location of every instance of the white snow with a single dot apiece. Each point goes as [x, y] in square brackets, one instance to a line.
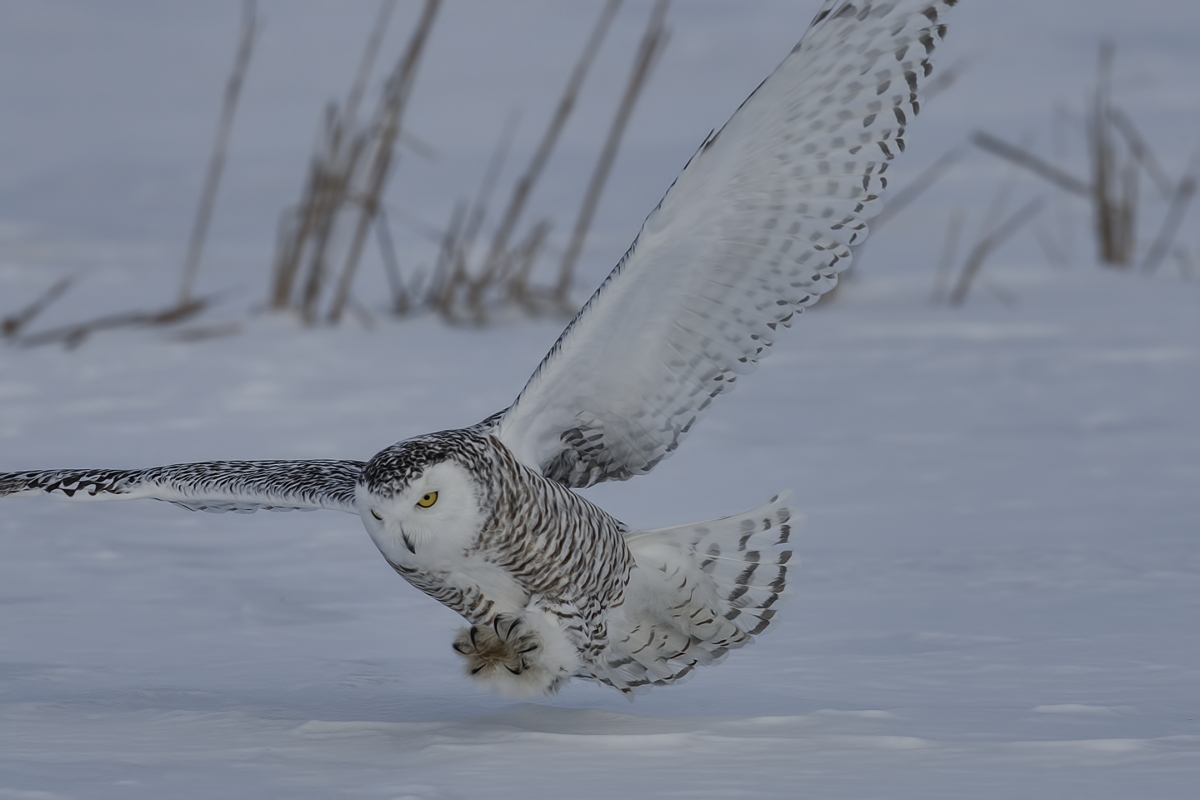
[1000, 587]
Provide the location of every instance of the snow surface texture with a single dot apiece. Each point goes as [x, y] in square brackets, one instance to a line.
[1000, 588]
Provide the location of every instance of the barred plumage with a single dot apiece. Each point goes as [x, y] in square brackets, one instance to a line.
[483, 519]
[217, 486]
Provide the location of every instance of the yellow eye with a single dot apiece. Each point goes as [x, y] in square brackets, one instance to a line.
[376, 515]
[427, 500]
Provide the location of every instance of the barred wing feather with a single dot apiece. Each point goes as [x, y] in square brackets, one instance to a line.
[757, 227]
[241, 486]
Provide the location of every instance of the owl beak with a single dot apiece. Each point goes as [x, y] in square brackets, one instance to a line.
[408, 543]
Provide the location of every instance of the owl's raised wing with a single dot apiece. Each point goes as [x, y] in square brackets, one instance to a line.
[756, 227]
[219, 486]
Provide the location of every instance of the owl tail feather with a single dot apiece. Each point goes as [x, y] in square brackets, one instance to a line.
[697, 592]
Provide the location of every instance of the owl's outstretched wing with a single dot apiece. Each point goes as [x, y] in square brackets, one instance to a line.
[756, 227]
[219, 486]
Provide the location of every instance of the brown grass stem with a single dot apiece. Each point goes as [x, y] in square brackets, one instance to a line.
[497, 252]
[653, 42]
[399, 90]
[987, 244]
[216, 166]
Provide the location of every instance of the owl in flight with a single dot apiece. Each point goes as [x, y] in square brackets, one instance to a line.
[484, 519]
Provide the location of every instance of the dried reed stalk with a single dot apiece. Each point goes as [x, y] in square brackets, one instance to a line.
[11, 325]
[401, 301]
[498, 254]
[449, 271]
[987, 244]
[1114, 185]
[396, 99]
[654, 40]
[1140, 150]
[915, 188]
[464, 246]
[1115, 170]
[1023, 158]
[74, 335]
[208, 196]
[1176, 211]
[308, 229]
[897, 203]
[949, 252]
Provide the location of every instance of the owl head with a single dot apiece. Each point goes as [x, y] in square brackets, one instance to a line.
[425, 500]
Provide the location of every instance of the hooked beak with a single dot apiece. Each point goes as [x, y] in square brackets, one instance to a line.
[408, 543]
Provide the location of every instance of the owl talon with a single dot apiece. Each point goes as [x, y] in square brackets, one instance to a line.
[506, 642]
[512, 620]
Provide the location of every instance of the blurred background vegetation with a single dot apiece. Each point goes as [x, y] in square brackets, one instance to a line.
[483, 164]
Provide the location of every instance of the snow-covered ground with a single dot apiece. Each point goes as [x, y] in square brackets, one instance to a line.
[1000, 587]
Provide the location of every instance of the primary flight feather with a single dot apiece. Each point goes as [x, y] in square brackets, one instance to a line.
[483, 519]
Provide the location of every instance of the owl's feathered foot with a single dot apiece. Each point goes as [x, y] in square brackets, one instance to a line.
[505, 643]
[513, 656]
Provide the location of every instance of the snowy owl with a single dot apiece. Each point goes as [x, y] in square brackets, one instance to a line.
[484, 519]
